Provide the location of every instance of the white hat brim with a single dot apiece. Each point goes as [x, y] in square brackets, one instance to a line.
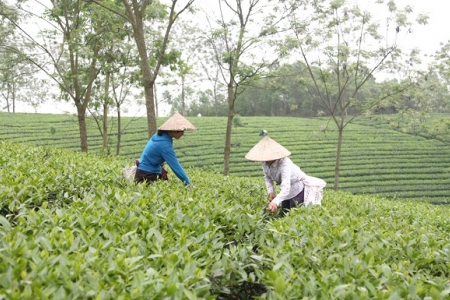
[266, 150]
[177, 123]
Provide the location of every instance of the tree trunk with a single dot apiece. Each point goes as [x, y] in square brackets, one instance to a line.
[183, 100]
[8, 105]
[105, 126]
[81, 109]
[80, 102]
[338, 153]
[150, 105]
[147, 78]
[119, 131]
[81, 112]
[155, 95]
[14, 98]
[227, 149]
[105, 112]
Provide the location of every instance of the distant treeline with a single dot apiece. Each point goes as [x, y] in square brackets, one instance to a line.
[288, 90]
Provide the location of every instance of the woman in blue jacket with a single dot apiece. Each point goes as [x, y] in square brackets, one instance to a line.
[159, 149]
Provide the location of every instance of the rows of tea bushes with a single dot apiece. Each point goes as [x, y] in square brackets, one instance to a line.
[41, 129]
[436, 126]
[72, 228]
[375, 160]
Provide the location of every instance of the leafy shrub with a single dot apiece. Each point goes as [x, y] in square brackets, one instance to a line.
[109, 239]
[371, 153]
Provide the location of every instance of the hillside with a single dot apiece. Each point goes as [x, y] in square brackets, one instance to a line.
[374, 160]
[72, 228]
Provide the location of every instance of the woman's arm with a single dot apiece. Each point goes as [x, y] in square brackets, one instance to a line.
[268, 180]
[285, 185]
[172, 160]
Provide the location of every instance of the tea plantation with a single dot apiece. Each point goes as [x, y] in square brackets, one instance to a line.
[71, 227]
[375, 160]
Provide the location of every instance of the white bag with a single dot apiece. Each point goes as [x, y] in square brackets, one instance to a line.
[129, 173]
[313, 190]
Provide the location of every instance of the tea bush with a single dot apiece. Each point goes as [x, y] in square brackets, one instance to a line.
[72, 228]
[375, 158]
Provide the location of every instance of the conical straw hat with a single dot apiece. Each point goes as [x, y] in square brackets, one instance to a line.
[177, 123]
[266, 150]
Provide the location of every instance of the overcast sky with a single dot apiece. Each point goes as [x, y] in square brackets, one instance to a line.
[427, 38]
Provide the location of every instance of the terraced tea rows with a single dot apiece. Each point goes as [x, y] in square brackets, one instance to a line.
[374, 160]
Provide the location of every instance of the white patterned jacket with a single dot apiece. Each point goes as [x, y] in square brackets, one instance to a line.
[285, 173]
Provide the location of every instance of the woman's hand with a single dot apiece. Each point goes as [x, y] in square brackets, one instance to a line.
[272, 196]
[272, 207]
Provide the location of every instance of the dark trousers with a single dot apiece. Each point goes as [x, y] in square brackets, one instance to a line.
[142, 176]
[291, 203]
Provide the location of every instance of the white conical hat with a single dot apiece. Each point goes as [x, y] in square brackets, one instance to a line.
[177, 123]
[266, 150]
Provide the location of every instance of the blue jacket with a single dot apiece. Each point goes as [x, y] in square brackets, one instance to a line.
[159, 149]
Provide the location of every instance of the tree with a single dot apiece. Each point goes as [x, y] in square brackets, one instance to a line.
[441, 70]
[282, 92]
[419, 107]
[81, 27]
[140, 14]
[67, 53]
[237, 37]
[71, 50]
[216, 95]
[181, 79]
[117, 87]
[19, 81]
[10, 80]
[116, 57]
[123, 92]
[36, 92]
[14, 66]
[348, 46]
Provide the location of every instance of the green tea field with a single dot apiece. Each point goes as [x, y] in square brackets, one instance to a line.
[71, 227]
[374, 160]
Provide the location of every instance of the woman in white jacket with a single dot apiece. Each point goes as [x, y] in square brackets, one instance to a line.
[277, 167]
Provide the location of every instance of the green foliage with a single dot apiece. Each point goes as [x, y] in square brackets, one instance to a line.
[376, 158]
[237, 122]
[171, 58]
[436, 127]
[354, 48]
[108, 239]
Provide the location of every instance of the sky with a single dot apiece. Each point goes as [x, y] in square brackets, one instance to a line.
[425, 37]
[428, 37]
